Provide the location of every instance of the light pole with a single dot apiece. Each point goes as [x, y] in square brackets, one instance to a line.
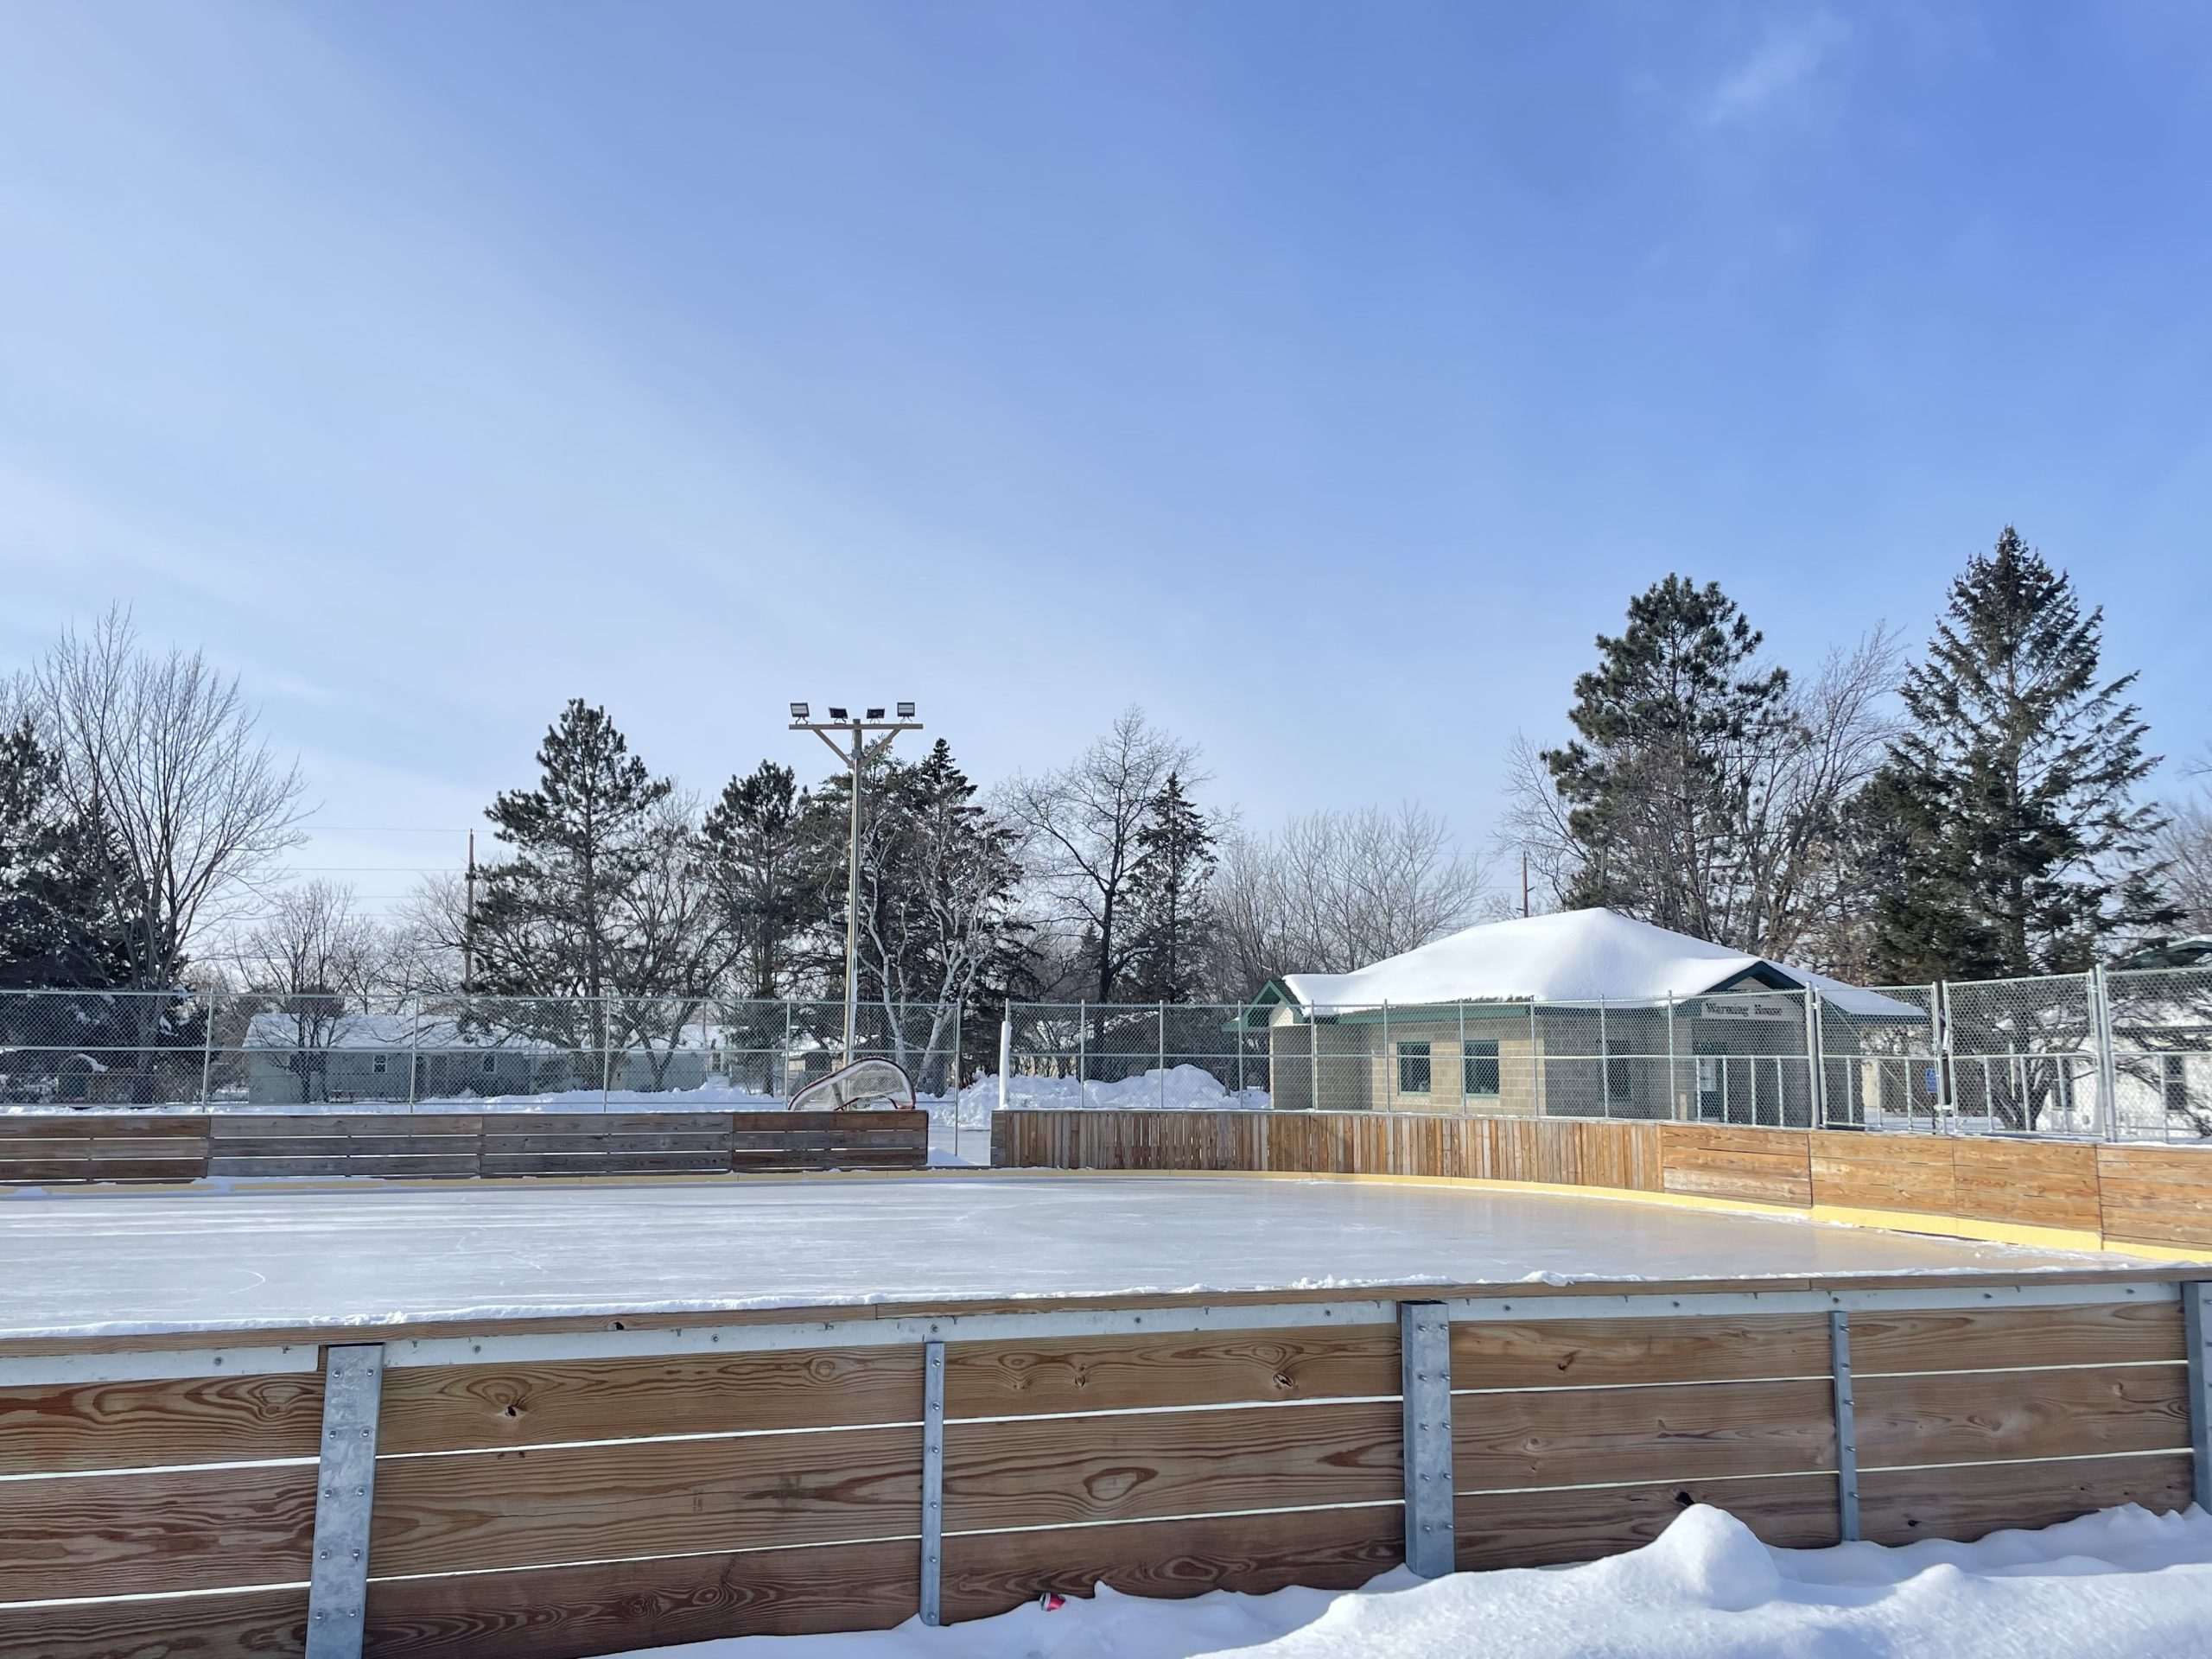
[857, 759]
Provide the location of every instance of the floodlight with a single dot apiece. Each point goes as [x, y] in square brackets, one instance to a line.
[906, 711]
[875, 714]
[799, 711]
[837, 713]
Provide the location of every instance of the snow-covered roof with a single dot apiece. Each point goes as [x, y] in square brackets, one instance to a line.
[1577, 956]
[373, 1031]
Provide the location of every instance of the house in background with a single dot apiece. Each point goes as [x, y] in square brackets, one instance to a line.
[293, 1058]
[1585, 1013]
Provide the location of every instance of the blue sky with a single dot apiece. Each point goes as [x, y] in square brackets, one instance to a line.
[1322, 377]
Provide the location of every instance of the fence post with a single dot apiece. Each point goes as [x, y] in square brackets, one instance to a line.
[783, 1079]
[606, 1056]
[1161, 1014]
[1006, 1052]
[1674, 1111]
[207, 1051]
[345, 1492]
[1462, 1059]
[1816, 1097]
[1604, 1064]
[1313, 1047]
[1082, 1053]
[414, 1042]
[959, 1016]
[2108, 1067]
[1947, 1103]
[1390, 1065]
[1537, 1067]
[1425, 1385]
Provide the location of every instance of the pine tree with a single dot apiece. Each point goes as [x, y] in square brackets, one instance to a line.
[1661, 790]
[61, 881]
[548, 922]
[766, 855]
[1172, 908]
[2014, 840]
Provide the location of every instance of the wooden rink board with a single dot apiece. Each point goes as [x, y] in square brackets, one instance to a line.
[550, 1509]
[2143, 1196]
[71, 1147]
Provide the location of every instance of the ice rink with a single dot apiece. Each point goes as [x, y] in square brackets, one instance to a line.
[265, 1259]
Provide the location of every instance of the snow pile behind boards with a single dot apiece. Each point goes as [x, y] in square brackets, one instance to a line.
[2123, 1584]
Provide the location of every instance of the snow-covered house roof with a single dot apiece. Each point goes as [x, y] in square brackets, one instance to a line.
[374, 1031]
[1577, 956]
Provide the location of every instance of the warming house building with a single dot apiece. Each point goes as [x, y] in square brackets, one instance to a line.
[1585, 1013]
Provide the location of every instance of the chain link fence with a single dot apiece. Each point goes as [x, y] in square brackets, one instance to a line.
[189, 1049]
[2113, 1054]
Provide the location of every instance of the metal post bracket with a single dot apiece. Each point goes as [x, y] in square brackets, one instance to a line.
[1425, 1361]
[932, 1480]
[345, 1494]
[2197, 1323]
[1846, 1427]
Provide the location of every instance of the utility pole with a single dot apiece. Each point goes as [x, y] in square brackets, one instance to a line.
[468, 923]
[861, 755]
[1524, 884]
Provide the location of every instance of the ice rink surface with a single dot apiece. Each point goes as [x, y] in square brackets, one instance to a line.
[261, 1258]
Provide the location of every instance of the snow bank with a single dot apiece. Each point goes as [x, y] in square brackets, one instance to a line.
[1184, 1087]
[2125, 1583]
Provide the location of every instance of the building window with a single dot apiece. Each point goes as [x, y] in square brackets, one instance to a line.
[488, 1065]
[1412, 1068]
[381, 1065]
[2174, 1082]
[1481, 1062]
[1618, 1072]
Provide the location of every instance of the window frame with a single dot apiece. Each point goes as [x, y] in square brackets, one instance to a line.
[1425, 1059]
[1469, 1059]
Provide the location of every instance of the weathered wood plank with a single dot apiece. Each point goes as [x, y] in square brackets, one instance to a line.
[142, 1534]
[1582, 1524]
[462, 1407]
[161, 1627]
[1982, 1416]
[2027, 1183]
[1897, 1506]
[989, 1379]
[1591, 1353]
[1882, 1172]
[46, 1169]
[140, 1126]
[1326, 1549]
[1762, 1166]
[1070, 1470]
[475, 1511]
[1965, 1340]
[333, 1164]
[568, 1612]
[1627, 1156]
[2155, 1195]
[144, 1425]
[1566, 1437]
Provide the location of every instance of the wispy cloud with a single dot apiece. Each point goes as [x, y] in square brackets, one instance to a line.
[1783, 65]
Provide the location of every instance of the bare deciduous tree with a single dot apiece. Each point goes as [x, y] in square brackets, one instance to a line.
[312, 963]
[1082, 825]
[1331, 892]
[2185, 848]
[1790, 891]
[165, 752]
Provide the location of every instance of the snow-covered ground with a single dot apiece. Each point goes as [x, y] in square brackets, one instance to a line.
[2121, 1585]
[1180, 1088]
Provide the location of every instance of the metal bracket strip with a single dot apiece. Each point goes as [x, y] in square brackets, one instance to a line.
[1425, 1372]
[525, 1347]
[62, 1371]
[338, 1585]
[932, 1479]
[2196, 1322]
[1846, 1427]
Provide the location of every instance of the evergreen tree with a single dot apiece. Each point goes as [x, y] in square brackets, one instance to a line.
[1171, 911]
[2015, 842]
[549, 921]
[1662, 789]
[61, 880]
[766, 845]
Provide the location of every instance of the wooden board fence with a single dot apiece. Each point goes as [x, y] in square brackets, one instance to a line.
[71, 1147]
[2153, 1196]
[550, 1508]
